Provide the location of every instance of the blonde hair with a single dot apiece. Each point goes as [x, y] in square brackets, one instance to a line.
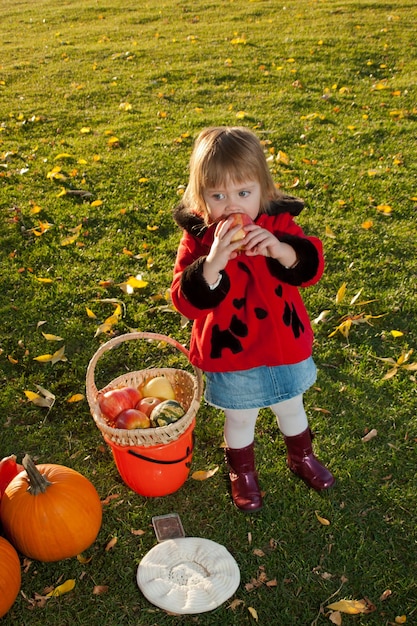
[222, 154]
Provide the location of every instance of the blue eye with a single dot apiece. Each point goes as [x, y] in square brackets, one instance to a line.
[218, 196]
[244, 194]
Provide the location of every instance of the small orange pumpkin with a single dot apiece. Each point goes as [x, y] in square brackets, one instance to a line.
[50, 512]
[10, 576]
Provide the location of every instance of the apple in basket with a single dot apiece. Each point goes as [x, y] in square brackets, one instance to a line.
[114, 401]
[147, 404]
[242, 220]
[132, 418]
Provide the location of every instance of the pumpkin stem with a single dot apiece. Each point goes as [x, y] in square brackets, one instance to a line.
[37, 482]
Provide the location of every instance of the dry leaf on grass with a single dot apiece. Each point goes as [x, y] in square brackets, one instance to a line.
[258, 552]
[76, 397]
[107, 500]
[336, 618]
[370, 435]
[204, 474]
[83, 559]
[322, 520]
[253, 612]
[100, 589]
[111, 544]
[351, 607]
[235, 603]
[66, 587]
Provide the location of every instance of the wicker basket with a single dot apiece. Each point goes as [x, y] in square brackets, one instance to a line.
[188, 389]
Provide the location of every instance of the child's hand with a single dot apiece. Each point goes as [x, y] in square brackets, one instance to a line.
[260, 241]
[222, 250]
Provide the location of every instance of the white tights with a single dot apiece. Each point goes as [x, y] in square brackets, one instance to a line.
[239, 425]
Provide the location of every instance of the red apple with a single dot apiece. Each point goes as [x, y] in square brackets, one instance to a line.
[132, 418]
[115, 401]
[242, 220]
[8, 470]
[146, 405]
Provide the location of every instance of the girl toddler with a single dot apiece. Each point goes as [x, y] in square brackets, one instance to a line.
[251, 333]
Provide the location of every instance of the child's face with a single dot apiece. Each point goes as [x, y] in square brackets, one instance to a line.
[243, 197]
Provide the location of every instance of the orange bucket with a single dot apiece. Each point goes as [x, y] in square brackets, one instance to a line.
[154, 471]
[151, 461]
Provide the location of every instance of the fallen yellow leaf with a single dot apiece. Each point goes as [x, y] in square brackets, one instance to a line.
[77, 397]
[204, 474]
[341, 293]
[43, 358]
[253, 612]
[113, 142]
[66, 241]
[351, 607]
[329, 233]
[49, 337]
[111, 544]
[83, 559]
[283, 158]
[44, 280]
[67, 586]
[134, 282]
[384, 208]
[63, 155]
[44, 398]
[322, 520]
[59, 356]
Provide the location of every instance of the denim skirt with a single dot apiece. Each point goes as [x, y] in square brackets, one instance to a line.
[259, 387]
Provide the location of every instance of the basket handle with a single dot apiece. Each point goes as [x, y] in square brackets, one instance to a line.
[91, 388]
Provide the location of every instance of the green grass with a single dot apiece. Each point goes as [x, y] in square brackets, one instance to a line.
[333, 86]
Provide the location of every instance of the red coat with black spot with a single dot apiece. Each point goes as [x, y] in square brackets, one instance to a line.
[256, 316]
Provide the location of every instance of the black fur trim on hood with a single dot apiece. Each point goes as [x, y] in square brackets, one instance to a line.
[195, 225]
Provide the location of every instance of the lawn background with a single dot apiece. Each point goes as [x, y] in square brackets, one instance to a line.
[113, 93]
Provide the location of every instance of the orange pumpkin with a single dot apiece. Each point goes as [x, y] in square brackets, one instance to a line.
[10, 576]
[50, 512]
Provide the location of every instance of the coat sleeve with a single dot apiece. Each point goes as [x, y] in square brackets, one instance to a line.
[190, 292]
[309, 251]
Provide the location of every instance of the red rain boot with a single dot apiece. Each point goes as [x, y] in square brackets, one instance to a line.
[244, 479]
[301, 461]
